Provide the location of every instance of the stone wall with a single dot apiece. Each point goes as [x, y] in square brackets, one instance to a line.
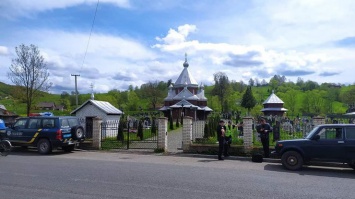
[248, 133]
[96, 134]
[186, 133]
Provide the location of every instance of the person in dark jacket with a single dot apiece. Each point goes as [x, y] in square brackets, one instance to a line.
[264, 129]
[221, 130]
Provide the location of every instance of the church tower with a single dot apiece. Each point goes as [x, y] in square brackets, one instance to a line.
[186, 97]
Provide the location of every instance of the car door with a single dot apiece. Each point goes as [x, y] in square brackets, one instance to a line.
[349, 148]
[32, 129]
[15, 133]
[329, 145]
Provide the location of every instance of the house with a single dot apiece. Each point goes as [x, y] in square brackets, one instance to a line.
[7, 116]
[46, 106]
[94, 108]
[273, 105]
[59, 107]
[186, 98]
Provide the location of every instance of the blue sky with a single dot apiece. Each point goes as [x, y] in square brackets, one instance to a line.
[137, 41]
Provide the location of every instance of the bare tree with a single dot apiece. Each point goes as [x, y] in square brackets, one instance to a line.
[29, 73]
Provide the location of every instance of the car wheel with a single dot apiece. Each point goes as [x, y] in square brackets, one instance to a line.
[69, 148]
[292, 160]
[78, 132]
[5, 147]
[44, 146]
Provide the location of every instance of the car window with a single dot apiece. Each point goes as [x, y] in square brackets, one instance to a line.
[64, 123]
[330, 133]
[34, 123]
[73, 122]
[20, 124]
[48, 123]
[350, 133]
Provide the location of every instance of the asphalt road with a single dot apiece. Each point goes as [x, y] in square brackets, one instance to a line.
[87, 175]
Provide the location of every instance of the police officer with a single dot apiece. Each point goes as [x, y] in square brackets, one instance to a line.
[264, 129]
[221, 130]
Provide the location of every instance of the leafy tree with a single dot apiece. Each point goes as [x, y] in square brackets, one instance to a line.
[154, 92]
[221, 88]
[133, 101]
[251, 82]
[29, 73]
[306, 102]
[290, 98]
[238, 86]
[348, 96]
[248, 100]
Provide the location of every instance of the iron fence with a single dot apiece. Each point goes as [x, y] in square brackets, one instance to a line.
[114, 136]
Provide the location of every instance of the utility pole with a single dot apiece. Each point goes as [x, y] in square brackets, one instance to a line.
[76, 89]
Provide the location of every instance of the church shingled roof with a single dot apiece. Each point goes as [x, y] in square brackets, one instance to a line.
[273, 99]
[185, 77]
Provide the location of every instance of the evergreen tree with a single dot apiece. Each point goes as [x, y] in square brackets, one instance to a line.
[140, 130]
[206, 131]
[120, 136]
[154, 127]
[171, 126]
[248, 100]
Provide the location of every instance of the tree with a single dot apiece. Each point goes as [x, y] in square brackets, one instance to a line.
[171, 123]
[251, 82]
[154, 127]
[221, 88]
[154, 92]
[29, 73]
[248, 100]
[140, 130]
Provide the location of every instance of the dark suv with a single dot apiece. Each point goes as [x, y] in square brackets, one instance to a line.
[46, 133]
[326, 143]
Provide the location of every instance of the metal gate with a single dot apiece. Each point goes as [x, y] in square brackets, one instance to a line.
[122, 136]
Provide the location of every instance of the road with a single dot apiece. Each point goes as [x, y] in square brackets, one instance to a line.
[89, 175]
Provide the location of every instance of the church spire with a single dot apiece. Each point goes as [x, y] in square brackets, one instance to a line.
[185, 63]
[92, 91]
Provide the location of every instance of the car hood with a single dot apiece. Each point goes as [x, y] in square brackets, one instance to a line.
[292, 141]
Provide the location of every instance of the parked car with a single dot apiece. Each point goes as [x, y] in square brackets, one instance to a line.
[325, 143]
[47, 133]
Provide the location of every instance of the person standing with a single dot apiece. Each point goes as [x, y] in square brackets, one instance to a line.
[264, 129]
[221, 129]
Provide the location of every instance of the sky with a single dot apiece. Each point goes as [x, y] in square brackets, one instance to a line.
[132, 42]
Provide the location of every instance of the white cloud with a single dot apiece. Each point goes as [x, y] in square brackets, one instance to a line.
[4, 50]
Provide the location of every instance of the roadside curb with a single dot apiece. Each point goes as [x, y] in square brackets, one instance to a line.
[241, 158]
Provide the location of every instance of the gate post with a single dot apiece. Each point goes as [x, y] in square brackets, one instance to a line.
[318, 121]
[163, 133]
[186, 133]
[247, 134]
[96, 133]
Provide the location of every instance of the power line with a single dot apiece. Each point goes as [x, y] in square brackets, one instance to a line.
[86, 51]
[92, 27]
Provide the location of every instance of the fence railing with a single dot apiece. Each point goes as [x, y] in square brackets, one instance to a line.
[282, 130]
